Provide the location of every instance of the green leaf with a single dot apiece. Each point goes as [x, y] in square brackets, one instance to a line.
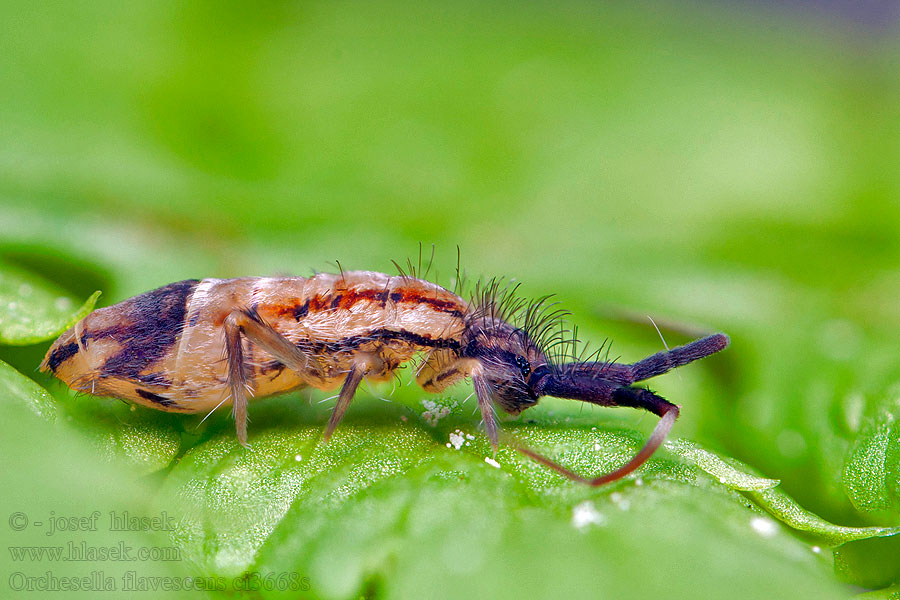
[33, 310]
[735, 477]
[871, 474]
[143, 440]
[788, 511]
[774, 501]
[869, 563]
[889, 593]
[57, 495]
[137, 439]
[361, 510]
[550, 149]
[18, 388]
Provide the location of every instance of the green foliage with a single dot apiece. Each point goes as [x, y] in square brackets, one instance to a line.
[713, 171]
[16, 388]
[34, 310]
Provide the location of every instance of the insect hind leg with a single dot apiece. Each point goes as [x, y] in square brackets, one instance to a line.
[238, 376]
[246, 323]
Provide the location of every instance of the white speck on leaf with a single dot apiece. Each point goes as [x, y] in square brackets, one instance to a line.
[586, 514]
[457, 438]
[492, 462]
[434, 411]
[763, 526]
[619, 500]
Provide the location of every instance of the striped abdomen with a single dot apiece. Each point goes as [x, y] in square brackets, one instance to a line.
[165, 348]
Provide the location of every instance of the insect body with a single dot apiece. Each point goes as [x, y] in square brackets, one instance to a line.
[193, 346]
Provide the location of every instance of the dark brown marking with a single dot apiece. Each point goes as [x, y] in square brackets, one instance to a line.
[61, 354]
[446, 374]
[161, 400]
[440, 377]
[300, 310]
[271, 368]
[154, 379]
[149, 326]
[350, 297]
[415, 296]
[380, 335]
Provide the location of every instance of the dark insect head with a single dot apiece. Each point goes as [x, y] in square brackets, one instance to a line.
[525, 351]
[508, 358]
[509, 337]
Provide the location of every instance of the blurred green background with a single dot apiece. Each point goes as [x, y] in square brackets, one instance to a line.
[727, 168]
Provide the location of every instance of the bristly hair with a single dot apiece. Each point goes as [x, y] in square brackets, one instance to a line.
[414, 271]
[541, 320]
[543, 323]
[573, 357]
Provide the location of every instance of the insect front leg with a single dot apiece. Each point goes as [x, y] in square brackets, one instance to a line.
[440, 370]
[443, 368]
[486, 404]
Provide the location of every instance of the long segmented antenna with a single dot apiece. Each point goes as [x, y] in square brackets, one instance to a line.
[601, 383]
[661, 338]
[662, 429]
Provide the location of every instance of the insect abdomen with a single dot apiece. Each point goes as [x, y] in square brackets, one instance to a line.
[121, 350]
[164, 348]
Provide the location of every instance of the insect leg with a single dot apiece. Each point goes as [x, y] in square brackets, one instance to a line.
[354, 377]
[238, 376]
[263, 335]
[483, 393]
[442, 369]
[248, 323]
